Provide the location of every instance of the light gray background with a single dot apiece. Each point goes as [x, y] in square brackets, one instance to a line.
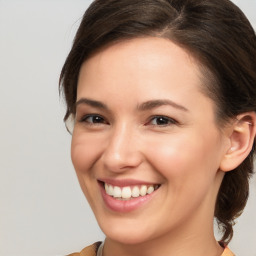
[42, 210]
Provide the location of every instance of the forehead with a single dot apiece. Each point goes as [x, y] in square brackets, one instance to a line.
[140, 59]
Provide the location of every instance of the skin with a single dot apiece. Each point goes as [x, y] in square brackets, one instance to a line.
[129, 142]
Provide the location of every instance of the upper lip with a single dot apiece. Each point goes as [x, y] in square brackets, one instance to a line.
[126, 182]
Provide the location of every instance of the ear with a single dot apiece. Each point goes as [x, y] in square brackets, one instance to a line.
[70, 123]
[242, 136]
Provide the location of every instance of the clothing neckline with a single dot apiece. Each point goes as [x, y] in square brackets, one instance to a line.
[100, 249]
[226, 251]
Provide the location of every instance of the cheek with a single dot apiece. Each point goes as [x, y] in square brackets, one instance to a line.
[189, 167]
[84, 152]
[181, 158]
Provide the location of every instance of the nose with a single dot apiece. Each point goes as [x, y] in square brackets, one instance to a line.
[122, 150]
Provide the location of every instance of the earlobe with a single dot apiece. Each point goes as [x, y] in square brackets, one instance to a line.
[241, 141]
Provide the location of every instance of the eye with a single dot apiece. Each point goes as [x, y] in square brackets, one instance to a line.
[93, 119]
[161, 121]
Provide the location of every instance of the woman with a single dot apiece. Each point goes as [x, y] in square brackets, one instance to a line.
[163, 98]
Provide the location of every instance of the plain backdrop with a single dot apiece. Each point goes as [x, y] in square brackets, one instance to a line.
[42, 210]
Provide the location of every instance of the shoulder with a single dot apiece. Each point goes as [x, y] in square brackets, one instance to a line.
[90, 250]
[227, 252]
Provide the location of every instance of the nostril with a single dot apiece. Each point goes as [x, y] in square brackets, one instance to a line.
[122, 161]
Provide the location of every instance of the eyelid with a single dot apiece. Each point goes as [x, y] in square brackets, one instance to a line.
[86, 116]
[171, 121]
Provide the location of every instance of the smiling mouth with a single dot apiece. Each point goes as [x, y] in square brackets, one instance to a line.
[129, 192]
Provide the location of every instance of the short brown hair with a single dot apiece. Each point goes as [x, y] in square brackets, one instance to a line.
[215, 32]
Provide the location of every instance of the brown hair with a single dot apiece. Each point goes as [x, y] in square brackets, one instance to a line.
[215, 32]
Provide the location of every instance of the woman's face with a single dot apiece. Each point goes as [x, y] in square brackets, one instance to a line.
[146, 132]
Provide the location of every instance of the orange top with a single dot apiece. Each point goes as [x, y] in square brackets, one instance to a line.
[92, 251]
[88, 251]
[227, 252]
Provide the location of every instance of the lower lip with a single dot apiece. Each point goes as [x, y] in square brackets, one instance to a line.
[125, 205]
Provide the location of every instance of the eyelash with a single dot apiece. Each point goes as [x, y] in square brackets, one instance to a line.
[85, 118]
[101, 120]
[168, 121]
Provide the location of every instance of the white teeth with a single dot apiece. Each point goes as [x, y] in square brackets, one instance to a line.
[106, 188]
[150, 189]
[128, 192]
[143, 190]
[135, 191]
[111, 190]
[117, 192]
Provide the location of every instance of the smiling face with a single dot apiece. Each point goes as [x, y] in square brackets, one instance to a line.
[146, 132]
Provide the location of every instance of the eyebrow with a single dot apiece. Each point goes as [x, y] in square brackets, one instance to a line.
[151, 104]
[92, 103]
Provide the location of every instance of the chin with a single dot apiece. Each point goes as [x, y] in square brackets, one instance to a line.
[127, 231]
[128, 238]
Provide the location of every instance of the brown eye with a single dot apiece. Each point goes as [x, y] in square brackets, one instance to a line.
[161, 121]
[93, 119]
